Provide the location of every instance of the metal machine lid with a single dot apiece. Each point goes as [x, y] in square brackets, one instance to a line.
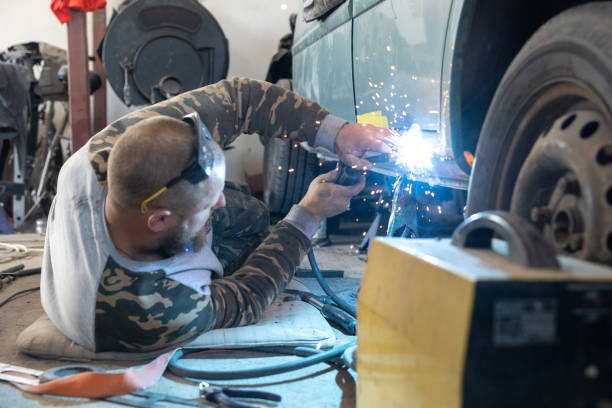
[155, 49]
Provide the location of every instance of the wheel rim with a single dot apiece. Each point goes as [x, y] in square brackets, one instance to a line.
[565, 184]
[534, 118]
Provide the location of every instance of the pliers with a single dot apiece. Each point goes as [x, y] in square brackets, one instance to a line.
[224, 397]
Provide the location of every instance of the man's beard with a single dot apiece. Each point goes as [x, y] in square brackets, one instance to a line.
[182, 240]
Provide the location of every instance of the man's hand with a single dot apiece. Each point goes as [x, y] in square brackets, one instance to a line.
[325, 199]
[353, 140]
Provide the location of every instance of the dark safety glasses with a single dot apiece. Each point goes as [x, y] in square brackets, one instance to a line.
[207, 162]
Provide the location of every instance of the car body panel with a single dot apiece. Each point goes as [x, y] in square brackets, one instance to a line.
[359, 6]
[324, 52]
[450, 64]
[445, 59]
[398, 51]
[385, 59]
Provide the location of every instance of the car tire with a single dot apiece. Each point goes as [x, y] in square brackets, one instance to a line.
[566, 65]
[287, 173]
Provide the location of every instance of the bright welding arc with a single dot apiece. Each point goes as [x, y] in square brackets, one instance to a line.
[412, 151]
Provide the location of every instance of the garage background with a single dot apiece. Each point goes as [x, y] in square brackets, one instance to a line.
[252, 27]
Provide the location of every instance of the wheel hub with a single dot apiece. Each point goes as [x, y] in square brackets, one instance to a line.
[565, 185]
[561, 219]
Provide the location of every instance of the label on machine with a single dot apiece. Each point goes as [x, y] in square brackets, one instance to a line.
[521, 322]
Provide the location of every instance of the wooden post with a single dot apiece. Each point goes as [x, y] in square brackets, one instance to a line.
[99, 97]
[78, 81]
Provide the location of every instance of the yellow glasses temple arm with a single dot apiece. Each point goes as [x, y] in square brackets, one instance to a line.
[143, 205]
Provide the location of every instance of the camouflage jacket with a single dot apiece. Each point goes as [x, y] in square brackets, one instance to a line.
[136, 311]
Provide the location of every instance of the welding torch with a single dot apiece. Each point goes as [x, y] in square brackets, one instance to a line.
[351, 175]
[341, 315]
[330, 311]
[347, 176]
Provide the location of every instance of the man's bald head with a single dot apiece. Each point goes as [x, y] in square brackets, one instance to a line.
[147, 156]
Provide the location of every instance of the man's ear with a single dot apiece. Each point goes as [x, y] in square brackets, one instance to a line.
[161, 220]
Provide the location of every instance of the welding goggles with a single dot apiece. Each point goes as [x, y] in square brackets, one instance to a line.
[207, 162]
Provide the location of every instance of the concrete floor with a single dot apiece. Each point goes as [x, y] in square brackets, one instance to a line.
[317, 386]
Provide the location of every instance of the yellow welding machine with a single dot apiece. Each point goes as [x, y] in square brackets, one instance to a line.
[442, 325]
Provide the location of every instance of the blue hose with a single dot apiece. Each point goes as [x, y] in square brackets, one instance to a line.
[341, 303]
[185, 372]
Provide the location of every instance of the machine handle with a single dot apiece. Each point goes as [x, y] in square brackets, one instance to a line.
[526, 245]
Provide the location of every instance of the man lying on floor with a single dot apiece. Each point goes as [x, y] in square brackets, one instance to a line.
[142, 251]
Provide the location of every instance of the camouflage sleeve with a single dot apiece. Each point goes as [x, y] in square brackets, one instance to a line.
[228, 108]
[241, 298]
[232, 107]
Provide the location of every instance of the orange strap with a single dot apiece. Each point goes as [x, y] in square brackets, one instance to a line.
[102, 385]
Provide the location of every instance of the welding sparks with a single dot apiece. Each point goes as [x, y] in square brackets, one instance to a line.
[413, 151]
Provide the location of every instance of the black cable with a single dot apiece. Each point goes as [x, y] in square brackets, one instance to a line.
[341, 303]
[27, 272]
[14, 295]
[253, 372]
[12, 270]
[21, 272]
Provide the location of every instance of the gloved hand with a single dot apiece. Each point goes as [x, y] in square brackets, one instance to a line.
[353, 140]
[325, 199]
